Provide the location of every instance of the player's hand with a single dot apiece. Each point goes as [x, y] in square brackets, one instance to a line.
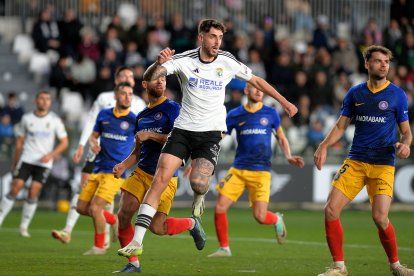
[319, 157]
[96, 148]
[46, 158]
[77, 156]
[165, 55]
[141, 136]
[296, 161]
[403, 150]
[290, 109]
[118, 170]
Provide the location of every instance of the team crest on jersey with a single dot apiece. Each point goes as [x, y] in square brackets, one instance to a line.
[158, 116]
[264, 121]
[219, 72]
[124, 125]
[192, 82]
[383, 105]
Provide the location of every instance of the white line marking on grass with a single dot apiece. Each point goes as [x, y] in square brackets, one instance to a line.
[247, 271]
[239, 239]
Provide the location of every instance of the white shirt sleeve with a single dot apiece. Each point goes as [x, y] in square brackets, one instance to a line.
[90, 121]
[244, 72]
[172, 67]
[60, 128]
[19, 129]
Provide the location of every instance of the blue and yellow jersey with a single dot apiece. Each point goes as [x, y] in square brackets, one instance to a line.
[157, 118]
[117, 131]
[376, 114]
[254, 130]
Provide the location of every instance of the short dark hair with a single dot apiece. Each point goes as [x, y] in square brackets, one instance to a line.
[122, 68]
[367, 53]
[122, 84]
[42, 92]
[206, 24]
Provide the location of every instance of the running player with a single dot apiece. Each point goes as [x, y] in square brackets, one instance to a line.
[254, 124]
[104, 100]
[116, 129]
[153, 125]
[204, 73]
[377, 107]
[35, 138]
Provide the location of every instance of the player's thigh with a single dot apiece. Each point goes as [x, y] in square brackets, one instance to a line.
[380, 181]
[232, 185]
[167, 197]
[258, 185]
[108, 186]
[350, 178]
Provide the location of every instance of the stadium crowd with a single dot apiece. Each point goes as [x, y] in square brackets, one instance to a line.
[314, 73]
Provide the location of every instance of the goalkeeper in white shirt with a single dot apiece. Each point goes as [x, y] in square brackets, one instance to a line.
[104, 100]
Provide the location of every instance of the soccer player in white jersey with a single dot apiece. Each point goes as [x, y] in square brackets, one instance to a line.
[104, 100]
[203, 73]
[35, 139]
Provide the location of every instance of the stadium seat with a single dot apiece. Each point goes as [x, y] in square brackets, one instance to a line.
[72, 105]
[23, 46]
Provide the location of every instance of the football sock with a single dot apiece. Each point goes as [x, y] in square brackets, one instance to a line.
[222, 228]
[125, 237]
[271, 218]
[73, 215]
[178, 225]
[29, 208]
[109, 217]
[389, 243]
[100, 240]
[5, 206]
[110, 208]
[335, 238]
[144, 217]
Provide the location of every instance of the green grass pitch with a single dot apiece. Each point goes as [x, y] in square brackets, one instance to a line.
[254, 247]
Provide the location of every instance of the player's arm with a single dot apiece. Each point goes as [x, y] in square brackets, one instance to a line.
[61, 147]
[156, 69]
[93, 142]
[142, 136]
[17, 152]
[264, 86]
[284, 145]
[333, 136]
[406, 138]
[128, 162]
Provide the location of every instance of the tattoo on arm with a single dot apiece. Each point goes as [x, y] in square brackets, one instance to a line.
[154, 72]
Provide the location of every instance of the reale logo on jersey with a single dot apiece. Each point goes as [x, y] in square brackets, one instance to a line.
[383, 105]
[124, 125]
[264, 121]
[158, 116]
[193, 82]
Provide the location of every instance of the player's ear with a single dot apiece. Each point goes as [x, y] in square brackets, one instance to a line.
[144, 84]
[366, 65]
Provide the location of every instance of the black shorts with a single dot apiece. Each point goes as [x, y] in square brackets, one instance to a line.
[38, 173]
[89, 162]
[185, 143]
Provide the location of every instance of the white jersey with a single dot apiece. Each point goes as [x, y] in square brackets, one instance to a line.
[203, 86]
[106, 100]
[39, 137]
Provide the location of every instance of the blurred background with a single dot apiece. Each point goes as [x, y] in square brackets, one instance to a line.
[310, 50]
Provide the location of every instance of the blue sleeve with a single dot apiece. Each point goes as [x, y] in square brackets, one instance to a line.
[174, 112]
[402, 107]
[230, 122]
[97, 127]
[276, 119]
[347, 108]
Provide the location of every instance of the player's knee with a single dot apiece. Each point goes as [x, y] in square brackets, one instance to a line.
[199, 187]
[260, 217]
[95, 210]
[331, 213]
[380, 219]
[82, 210]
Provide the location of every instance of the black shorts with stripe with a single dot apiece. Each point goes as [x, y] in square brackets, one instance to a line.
[38, 173]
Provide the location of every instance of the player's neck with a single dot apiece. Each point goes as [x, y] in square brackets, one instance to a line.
[155, 100]
[253, 106]
[41, 113]
[376, 84]
[206, 58]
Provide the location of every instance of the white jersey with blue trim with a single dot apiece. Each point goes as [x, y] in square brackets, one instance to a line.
[203, 86]
[106, 100]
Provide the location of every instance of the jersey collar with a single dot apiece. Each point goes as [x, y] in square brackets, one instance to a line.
[251, 110]
[373, 90]
[202, 61]
[160, 101]
[120, 114]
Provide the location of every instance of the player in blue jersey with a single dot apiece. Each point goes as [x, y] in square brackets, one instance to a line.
[153, 126]
[254, 124]
[377, 107]
[116, 129]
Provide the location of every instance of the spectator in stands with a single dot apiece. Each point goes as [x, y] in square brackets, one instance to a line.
[367, 40]
[69, 28]
[255, 63]
[13, 108]
[116, 23]
[235, 99]
[110, 59]
[282, 73]
[132, 56]
[302, 119]
[181, 38]
[87, 46]
[320, 91]
[239, 47]
[372, 29]
[344, 56]
[138, 33]
[323, 62]
[392, 34]
[315, 133]
[104, 82]
[322, 35]
[83, 72]
[112, 40]
[405, 50]
[298, 87]
[6, 135]
[341, 86]
[60, 75]
[46, 33]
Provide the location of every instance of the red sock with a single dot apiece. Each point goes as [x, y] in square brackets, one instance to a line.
[335, 239]
[125, 236]
[271, 218]
[178, 225]
[109, 217]
[222, 228]
[389, 243]
[100, 240]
